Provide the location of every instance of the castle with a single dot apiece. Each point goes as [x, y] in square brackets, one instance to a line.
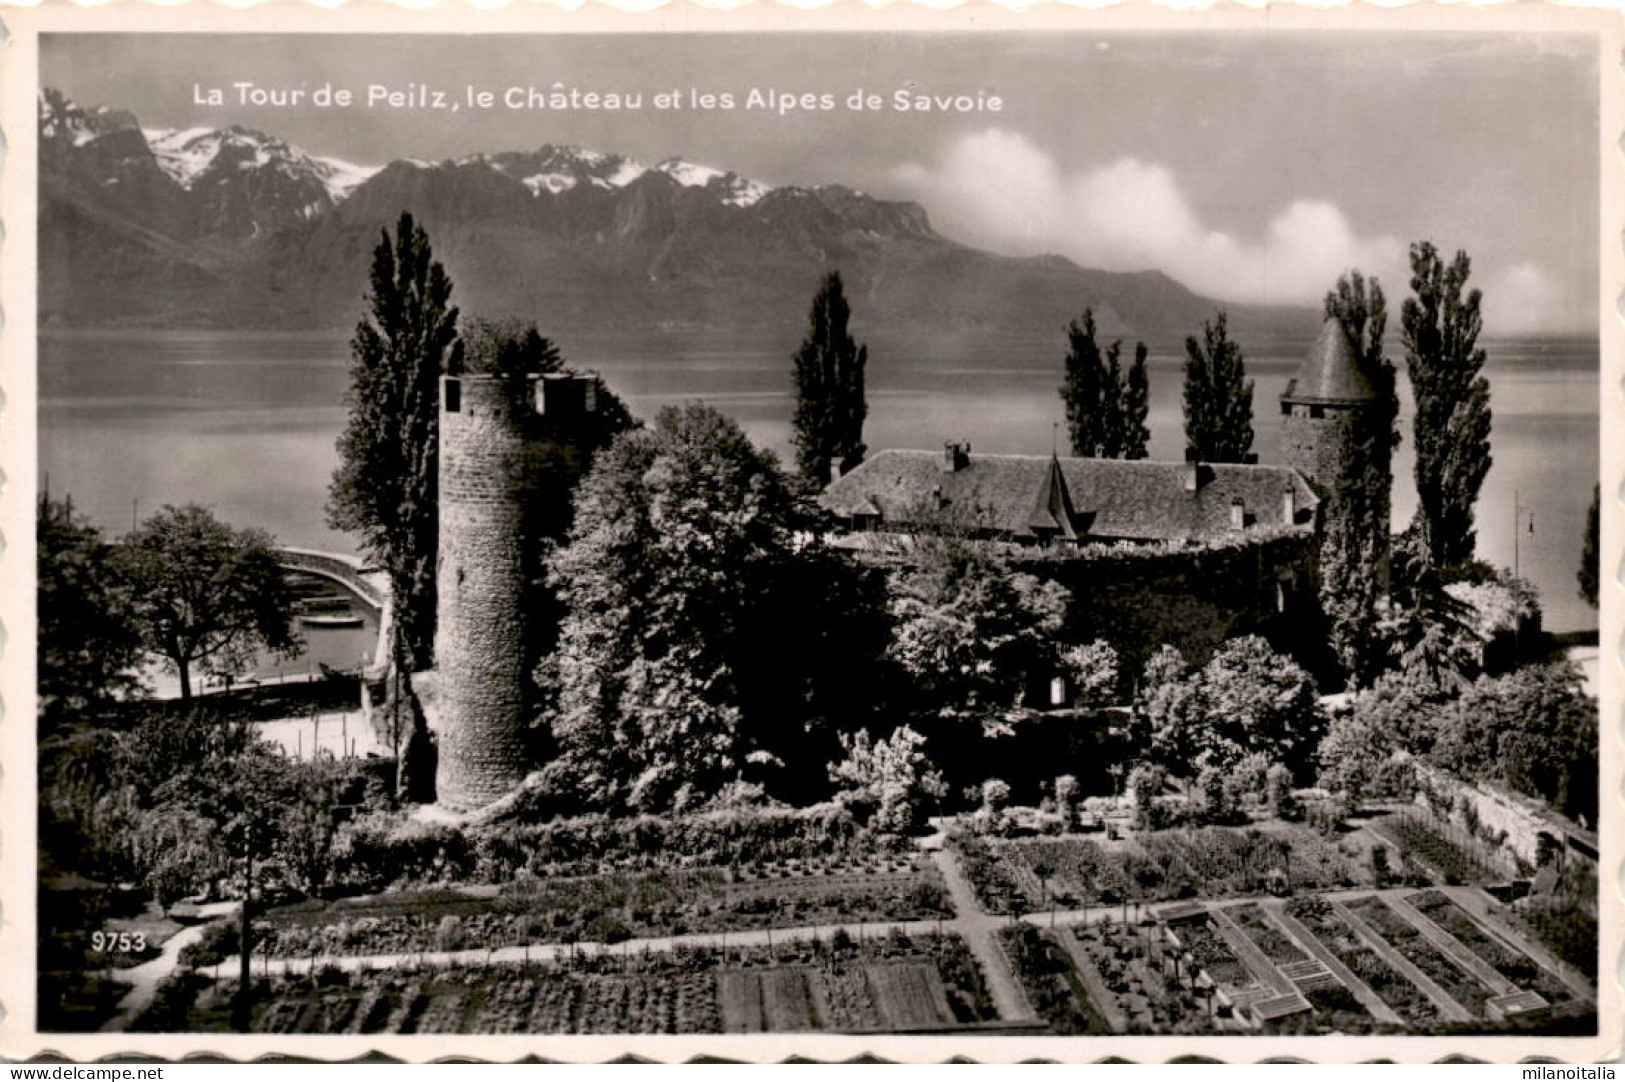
[1237, 554]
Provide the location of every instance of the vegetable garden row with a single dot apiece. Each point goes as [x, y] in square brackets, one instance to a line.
[895, 983]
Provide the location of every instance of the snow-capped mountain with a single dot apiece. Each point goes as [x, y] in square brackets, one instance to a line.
[554, 170]
[61, 121]
[234, 227]
[195, 157]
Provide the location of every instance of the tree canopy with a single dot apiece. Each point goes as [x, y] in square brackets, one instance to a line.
[1218, 396]
[205, 594]
[89, 642]
[1441, 324]
[1246, 700]
[1106, 408]
[830, 403]
[972, 633]
[385, 489]
[684, 658]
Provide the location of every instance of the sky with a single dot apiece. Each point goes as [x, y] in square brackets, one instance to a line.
[1251, 166]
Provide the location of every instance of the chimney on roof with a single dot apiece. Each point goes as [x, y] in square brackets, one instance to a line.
[955, 456]
[1193, 470]
[1238, 514]
[1289, 507]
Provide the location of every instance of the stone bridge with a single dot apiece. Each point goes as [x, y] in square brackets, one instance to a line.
[360, 578]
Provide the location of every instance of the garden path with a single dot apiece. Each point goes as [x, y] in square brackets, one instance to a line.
[549, 952]
[977, 927]
[146, 977]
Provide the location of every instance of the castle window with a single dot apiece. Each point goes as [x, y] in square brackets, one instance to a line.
[1317, 412]
[454, 396]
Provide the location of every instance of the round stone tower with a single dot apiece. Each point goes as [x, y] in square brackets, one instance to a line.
[1325, 408]
[492, 431]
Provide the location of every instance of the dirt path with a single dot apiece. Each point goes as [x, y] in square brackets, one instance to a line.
[977, 927]
[549, 952]
[146, 977]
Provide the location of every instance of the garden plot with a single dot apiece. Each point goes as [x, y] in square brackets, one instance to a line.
[1421, 846]
[1456, 983]
[897, 983]
[885, 996]
[1210, 862]
[1153, 988]
[607, 908]
[1514, 965]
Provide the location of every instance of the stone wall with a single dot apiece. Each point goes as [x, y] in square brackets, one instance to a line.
[1521, 818]
[1192, 598]
[1313, 445]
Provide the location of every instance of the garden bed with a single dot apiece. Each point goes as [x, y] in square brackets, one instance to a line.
[1153, 996]
[1209, 862]
[599, 909]
[1052, 984]
[1276, 944]
[890, 984]
[1214, 955]
[1441, 858]
[1515, 966]
[1392, 987]
[1457, 983]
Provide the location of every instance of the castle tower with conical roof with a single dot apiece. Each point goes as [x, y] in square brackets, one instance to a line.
[1325, 409]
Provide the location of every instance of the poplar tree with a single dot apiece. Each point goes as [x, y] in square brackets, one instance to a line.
[1106, 407]
[1218, 396]
[830, 404]
[1355, 548]
[385, 489]
[1137, 406]
[1591, 547]
[1081, 388]
[1441, 323]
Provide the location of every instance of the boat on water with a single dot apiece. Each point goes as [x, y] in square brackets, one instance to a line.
[345, 619]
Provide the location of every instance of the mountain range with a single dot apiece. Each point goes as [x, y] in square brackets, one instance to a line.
[237, 229]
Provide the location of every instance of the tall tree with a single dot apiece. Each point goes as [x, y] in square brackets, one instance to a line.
[681, 665]
[972, 633]
[1081, 388]
[1137, 406]
[205, 594]
[1218, 396]
[385, 488]
[1589, 551]
[1441, 326]
[1355, 548]
[89, 643]
[830, 403]
[1106, 407]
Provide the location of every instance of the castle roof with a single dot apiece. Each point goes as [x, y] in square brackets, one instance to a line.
[1331, 372]
[1027, 497]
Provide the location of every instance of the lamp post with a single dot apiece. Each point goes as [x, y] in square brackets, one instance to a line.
[1520, 516]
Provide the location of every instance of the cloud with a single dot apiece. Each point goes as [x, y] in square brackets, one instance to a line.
[1524, 298]
[995, 189]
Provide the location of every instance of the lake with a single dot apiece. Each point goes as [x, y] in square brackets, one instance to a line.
[246, 423]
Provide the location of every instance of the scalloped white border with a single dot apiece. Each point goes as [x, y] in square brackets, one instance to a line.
[18, 82]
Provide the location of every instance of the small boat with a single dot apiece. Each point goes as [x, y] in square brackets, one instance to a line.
[332, 620]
